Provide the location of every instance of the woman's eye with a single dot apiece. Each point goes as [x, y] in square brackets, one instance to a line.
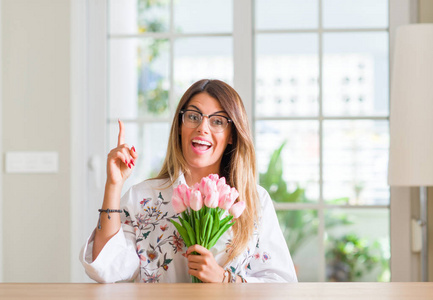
[218, 121]
[193, 117]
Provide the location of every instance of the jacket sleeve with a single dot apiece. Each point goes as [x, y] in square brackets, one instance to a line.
[271, 260]
[118, 260]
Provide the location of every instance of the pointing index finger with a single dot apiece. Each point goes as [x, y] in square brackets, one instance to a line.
[121, 137]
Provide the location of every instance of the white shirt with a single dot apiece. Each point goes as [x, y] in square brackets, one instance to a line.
[148, 248]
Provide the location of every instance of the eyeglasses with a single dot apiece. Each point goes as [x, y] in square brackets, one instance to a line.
[192, 119]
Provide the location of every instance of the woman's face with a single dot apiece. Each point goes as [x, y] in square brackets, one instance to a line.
[202, 148]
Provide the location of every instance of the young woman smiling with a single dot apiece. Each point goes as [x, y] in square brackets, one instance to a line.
[209, 135]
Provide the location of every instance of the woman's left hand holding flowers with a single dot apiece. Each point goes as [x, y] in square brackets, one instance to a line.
[203, 265]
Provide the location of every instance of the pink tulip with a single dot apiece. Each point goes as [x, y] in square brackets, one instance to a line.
[230, 198]
[196, 200]
[211, 194]
[177, 201]
[211, 200]
[185, 194]
[221, 183]
[237, 209]
[210, 187]
[213, 177]
[224, 201]
[234, 194]
[202, 185]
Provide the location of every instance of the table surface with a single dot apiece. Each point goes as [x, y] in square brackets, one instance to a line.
[180, 291]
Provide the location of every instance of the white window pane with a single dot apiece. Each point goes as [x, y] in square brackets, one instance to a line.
[287, 75]
[138, 16]
[355, 13]
[357, 245]
[138, 78]
[286, 14]
[150, 141]
[300, 228]
[355, 162]
[356, 74]
[203, 16]
[299, 158]
[202, 57]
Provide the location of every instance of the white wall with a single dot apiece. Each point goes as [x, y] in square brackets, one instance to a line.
[35, 117]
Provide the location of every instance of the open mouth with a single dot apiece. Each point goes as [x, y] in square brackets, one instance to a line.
[201, 145]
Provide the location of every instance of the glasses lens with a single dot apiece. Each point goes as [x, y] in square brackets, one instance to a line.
[191, 119]
[217, 123]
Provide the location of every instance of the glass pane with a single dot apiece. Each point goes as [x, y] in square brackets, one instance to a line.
[138, 16]
[356, 74]
[203, 16]
[286, 75]
[138, 78]
[199, 58]
[286, 14]
[292, 173]
[300, 230]
[357, 244]
[150, 141]
[355, 162]
[355, 13]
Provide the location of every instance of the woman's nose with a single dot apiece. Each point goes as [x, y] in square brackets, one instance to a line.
[204, 125]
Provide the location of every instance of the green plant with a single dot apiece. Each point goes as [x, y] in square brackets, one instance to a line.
[274, 182]
[151, 22]
[352, 254]
[298, 226]
[155, 100]
[350, 257]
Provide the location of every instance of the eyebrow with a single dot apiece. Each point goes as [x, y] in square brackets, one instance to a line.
[198, 109]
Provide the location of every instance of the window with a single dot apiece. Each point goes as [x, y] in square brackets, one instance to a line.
[319, 109]
[321, 125]
[157, 49]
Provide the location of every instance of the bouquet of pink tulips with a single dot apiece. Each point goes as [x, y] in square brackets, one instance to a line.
[202, 208]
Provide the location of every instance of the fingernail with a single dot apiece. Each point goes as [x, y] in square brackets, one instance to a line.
[133, 149]
[132, 162]
[126, 162]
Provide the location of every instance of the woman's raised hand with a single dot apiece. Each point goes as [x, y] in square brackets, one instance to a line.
[120, 160]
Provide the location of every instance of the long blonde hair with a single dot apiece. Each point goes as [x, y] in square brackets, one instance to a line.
[238, 164]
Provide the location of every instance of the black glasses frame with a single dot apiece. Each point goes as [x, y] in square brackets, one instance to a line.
[182, 112]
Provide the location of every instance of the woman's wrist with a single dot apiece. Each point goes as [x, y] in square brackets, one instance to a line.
[226, 275]
[112, 196]
[230, 277]
[113, 186]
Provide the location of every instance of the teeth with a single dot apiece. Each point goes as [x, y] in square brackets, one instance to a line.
[201, 142]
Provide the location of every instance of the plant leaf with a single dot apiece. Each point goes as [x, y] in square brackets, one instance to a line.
[189, 230]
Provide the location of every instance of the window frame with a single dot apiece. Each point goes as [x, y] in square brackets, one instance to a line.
[321, 206]
[90, 138]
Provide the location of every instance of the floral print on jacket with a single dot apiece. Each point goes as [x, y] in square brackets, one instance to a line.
[149, 249]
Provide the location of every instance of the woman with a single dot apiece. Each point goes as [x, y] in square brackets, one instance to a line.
[209, 135]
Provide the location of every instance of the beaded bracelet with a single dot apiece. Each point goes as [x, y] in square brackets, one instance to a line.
[108, 211]
[232, 278]
[226, 273]
[242, 279]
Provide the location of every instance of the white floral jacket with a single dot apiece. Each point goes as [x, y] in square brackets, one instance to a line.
[148, 248]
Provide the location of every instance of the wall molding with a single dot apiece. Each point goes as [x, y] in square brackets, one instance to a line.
[78, 113]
